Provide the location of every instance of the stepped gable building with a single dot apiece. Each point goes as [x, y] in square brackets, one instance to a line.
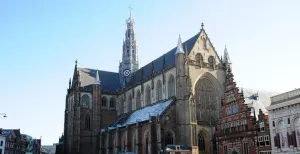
[236, 130]
[284, 118]
[175, 99]
[263, 134]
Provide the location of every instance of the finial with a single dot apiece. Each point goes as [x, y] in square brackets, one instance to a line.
[76, 62]
[179, 46]
[202, 25]
[130, 8]
[97, 80]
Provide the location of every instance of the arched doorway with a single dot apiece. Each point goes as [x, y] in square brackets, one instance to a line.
[203, 142]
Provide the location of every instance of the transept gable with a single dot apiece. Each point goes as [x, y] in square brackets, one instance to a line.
[203, 48]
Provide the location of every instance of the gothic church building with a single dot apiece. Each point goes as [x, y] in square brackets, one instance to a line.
[175, 99]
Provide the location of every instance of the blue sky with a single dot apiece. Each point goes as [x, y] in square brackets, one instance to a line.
[40, 40]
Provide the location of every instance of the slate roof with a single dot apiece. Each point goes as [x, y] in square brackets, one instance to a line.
[110, 80]
[164, 61]
[141, 114]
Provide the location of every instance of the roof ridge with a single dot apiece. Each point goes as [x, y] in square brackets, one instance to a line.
[98, 70]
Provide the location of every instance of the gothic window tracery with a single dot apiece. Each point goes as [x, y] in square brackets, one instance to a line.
[85, 101]
[104, 102]
[199, 58]
[169, 138]
[158, 91]
[206, 101]
[138, 99]
[171, 86]
[211, 61]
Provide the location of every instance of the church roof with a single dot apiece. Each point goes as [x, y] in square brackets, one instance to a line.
[141, 114]
[164, 61]
[109, 80]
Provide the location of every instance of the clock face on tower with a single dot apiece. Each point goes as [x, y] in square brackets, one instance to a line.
[126, 73]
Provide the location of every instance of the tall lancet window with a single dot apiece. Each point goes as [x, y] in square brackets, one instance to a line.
[158, 91]
[138, 99]
[148, 96]
[171, 86]
[129, 104]
[87, 122]
[199, 58]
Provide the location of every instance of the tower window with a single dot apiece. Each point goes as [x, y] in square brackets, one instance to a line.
[112, 103]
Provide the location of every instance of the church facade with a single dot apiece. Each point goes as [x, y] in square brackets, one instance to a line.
[175, 99]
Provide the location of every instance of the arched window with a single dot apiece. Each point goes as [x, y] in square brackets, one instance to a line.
[87, 122]
[104, 101]
[129, 104]
[138, 99]
[112, 102]
[283, 134]
[169, 138]
[211, 61]
[201, 142]
[158, 91]
[85, 101]
[148, 96]
[206, 101]
[171, 86]
[199, 58]
[297, 130]
[134, 144]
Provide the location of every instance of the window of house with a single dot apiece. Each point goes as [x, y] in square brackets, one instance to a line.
[262, 126]
[245, 148]
[289, 121]
[225, 150]
[1, 144]
[273, 123]
[261, 141]
[267, 142]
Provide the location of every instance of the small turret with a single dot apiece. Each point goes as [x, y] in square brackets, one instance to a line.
[97, 80]
[179, 49]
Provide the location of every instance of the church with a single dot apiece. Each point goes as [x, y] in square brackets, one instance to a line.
[173, 100]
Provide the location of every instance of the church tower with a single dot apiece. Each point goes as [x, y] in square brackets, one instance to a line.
[130, 61]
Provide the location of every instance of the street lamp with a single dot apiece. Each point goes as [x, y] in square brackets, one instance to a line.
[4, 115]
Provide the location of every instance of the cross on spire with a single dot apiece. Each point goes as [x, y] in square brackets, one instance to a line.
[130, 9]
[202, 25]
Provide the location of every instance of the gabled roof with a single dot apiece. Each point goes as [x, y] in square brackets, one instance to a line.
[141, 114]
[109, 80]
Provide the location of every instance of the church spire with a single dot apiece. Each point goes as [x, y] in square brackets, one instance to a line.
[130, 62]
[179, 49]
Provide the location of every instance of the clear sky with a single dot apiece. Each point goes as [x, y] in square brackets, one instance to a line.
[40, 40]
